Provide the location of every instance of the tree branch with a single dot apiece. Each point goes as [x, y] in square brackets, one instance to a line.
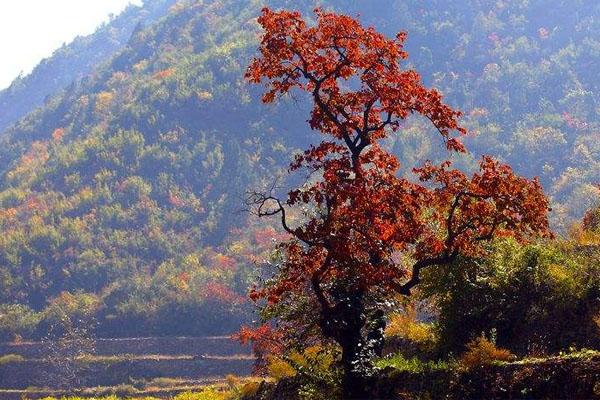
[415, 279]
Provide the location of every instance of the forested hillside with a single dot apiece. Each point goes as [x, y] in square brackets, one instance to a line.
[121, 197]
[74, 61]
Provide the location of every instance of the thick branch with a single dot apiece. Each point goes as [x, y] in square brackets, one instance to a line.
[315, 281]
[415, 279]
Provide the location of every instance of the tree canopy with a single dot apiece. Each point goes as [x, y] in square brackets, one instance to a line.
[356, 214]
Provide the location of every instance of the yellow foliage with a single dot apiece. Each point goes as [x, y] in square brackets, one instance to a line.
[314, 357]
[204, 95]
[103, 101]
[481, 351]
[206, 394]
[177, 7]
[237, 247]
[249, 389]
[31, 161]
[584, 237]
[140, 66]
[232, 381]
[279, 369]
[85, 195]
[405, 326]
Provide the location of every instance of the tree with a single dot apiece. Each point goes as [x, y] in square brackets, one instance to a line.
[355, 218]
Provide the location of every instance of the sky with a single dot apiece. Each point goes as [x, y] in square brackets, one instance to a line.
[30, 30]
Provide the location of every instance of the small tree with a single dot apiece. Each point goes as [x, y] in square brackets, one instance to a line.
[355, 217]
[67, 343]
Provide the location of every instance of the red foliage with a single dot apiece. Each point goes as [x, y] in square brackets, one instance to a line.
[494, 38]
[366, 212]
[265, 341]
[591, 219]
[225, 262]
[221, 293]
[160, 75]
[574, 122]
[316, 59]
[185, 277]
[176, 201]
[58, 134]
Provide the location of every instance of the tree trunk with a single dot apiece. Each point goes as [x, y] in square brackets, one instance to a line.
[344, 323]
[353, 379]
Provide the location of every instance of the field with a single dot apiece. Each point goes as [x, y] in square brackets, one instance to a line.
[132, 366]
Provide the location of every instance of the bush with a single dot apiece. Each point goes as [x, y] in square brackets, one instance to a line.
[538, 298]
[278, 368]
[249, 389]
[406, 333]
[77, 307]
[313, 368]
[482, 352]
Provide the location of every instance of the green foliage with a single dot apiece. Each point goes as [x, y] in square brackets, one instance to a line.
[16, 320]
[414, 365]
[74, 60]
[536, 299]
[123, 187]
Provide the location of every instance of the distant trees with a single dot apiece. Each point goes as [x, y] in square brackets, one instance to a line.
[360, 232]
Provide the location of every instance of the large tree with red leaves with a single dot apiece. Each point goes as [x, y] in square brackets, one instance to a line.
[356, 221]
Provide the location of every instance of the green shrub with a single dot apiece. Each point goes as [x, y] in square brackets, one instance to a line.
[537, 298]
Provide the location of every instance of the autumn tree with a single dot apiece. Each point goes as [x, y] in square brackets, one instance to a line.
[356, 220]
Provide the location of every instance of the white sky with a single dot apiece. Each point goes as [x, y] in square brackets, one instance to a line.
[30, 30]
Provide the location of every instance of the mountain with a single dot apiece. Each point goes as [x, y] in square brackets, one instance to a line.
[74, 61]
[120, 197]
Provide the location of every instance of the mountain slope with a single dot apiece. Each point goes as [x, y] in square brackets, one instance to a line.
[74, 61]
[119, 198]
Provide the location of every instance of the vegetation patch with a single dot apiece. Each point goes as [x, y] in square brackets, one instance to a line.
[11, 358]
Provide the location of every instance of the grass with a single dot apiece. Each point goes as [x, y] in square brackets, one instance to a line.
[414, 365]
[204, 394]
[570, 355]
[11, 358]
[230, 388]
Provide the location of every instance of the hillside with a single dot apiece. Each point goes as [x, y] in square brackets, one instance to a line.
[120, 196]
[126, 180]
[74, 61]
